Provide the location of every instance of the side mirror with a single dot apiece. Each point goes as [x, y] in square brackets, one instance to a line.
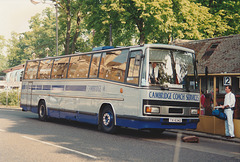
[21, 76]
[137, 60]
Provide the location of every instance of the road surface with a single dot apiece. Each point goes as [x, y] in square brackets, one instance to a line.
[24, 138]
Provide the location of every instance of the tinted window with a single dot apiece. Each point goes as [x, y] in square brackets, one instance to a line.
[45, 69]
[79, 66]
[113, 65]
[60, 66]
[94, 65]
[31, 70]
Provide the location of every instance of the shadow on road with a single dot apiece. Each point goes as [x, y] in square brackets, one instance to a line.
[84, 137]
[21, 126]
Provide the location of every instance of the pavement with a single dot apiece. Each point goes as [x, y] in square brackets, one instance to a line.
[204, 135]
[184, 132]
[10, 107]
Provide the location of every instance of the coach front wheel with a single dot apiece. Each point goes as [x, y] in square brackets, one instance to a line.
[107, 120]
[42, 111]
[157, 131]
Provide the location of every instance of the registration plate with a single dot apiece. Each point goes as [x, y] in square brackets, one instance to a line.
[175, 120]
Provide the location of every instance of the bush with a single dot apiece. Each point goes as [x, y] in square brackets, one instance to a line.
[12, 98]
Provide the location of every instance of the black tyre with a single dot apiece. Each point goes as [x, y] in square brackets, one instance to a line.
[107, 120]
[157, 131]
[42, 111]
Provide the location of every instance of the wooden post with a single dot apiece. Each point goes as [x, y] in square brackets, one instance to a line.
[214, 92]
[200, 87]
[214, 102]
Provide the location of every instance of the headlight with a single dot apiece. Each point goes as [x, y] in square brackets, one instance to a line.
[194, 111]
[152, 110]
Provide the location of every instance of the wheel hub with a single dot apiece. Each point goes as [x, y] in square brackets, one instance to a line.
[41, 111]
[106, 119]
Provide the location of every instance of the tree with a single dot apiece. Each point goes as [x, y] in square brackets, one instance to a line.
[70, 18]
[2, 44]
[228, 10]
[40, 40]
[14, 51]
[98, 19]
[155, 21]
[85, 24]
[195, 21]
[3, 64]
[65, 10]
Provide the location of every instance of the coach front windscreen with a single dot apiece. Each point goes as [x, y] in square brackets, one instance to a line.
[167, 68]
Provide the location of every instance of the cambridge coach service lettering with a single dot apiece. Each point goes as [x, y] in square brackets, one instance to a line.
[192, 97]
[178, 96]
[173, 96]
[163, 95]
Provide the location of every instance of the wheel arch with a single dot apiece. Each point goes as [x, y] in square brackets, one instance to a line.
[101, 109]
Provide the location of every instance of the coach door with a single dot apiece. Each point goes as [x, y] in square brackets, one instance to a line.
[134, 67]
[29, 95]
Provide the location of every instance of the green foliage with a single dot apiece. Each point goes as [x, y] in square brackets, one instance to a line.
[84, 24]
[99, 18]
[195, 22]
[15, 50]
[153, 21]
[41, 40]
[13, 98]
[3, 59]
[73, 34]
[3, 64]
[2, 44]
[228, 10]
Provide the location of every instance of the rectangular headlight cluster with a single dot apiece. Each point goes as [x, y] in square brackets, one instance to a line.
[151, 109]
[194, 112]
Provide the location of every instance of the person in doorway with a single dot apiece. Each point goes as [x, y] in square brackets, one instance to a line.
[203, 98]
[153, 73]
[229, 104]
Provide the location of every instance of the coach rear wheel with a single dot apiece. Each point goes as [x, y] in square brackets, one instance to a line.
[42, 111]
[107, 120]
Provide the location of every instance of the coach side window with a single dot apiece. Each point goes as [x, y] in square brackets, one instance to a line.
[45, 69]
[31, 70]
[94, 65]
[113, 65]
[60, 66]
[79, 66]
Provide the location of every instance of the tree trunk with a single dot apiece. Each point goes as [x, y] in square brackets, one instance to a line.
[76, 33]
[68, 28]
[142, 38]
[140, 25]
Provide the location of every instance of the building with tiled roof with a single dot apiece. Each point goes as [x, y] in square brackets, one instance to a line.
[220, 58]
[220, 55]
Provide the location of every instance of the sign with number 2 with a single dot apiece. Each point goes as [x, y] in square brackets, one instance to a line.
[227, 81]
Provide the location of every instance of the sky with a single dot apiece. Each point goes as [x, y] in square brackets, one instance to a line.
[15, 14]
